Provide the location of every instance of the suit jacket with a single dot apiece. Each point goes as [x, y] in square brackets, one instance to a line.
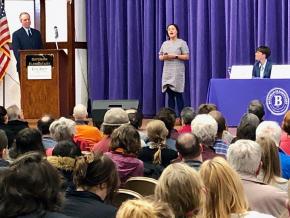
[262, 197]
[267, 70]
[21, 41]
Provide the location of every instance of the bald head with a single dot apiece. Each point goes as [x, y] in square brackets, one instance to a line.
[188, 145]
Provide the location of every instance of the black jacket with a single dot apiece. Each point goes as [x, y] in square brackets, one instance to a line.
[12, 128]
[84, 204]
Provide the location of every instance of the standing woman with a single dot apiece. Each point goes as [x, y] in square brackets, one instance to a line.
[174, 52]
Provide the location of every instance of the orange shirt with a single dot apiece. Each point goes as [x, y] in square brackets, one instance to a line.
[88, 133]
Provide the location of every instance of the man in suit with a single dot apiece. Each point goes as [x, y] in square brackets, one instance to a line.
[25, 37]
[263, 66]
[245, 157]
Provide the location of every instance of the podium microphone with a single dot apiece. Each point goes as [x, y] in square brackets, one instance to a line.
[56, 36]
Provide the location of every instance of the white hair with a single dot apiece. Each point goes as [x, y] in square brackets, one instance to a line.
[80, 112]
[13, 112]
[204, 127]
[269, 129]
[245, 156]
[62, 129]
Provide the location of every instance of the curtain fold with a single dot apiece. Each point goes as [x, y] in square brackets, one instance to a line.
[124, 38]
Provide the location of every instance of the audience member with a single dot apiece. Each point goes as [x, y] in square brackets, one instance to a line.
[182, 188]
[187, 115]
[3, 149]
[135, 118]
[125, 146]
[204, 127]
[144, 208]
[30, 187]
[285, 137]
[219, 145]
[96, 180]
[63, 158]
[3, 117]
[15, 123]
[247, 127]
[273, 130]
[27, 140]
[43, 125]
[168, 116]
[156, 155]
[60, 130]
[225, 194]
[85, 132]
[245, 157]
[206, 108]
[270, 172]
[256, 107]
[189, 150]
[114, 118]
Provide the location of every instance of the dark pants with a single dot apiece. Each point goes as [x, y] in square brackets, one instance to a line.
[171, 100]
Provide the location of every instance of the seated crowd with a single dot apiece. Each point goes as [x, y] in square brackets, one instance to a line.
[70, 168]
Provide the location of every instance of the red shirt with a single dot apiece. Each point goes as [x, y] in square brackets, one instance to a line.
[285, 142]
[185, 129]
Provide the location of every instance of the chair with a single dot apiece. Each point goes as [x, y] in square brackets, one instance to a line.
[123, 195]
[142, 185]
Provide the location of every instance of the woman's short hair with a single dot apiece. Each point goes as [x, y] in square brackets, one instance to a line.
[256, 107]
[187, 115]
[66, 148]
[168, 116]
[144, 208]
[127, 138]
[26, 140]
[204, 127]
[30, 185]
[225, 193]
[245, 156]
[206, 108]
[176, 27]
[135, 117]
[247, 127]
[92, 170]
[270, 159]
[182, 188]
[286, 123]
[62, 129]
[269, 129]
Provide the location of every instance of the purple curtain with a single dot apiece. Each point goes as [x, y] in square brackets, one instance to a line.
[124, 38]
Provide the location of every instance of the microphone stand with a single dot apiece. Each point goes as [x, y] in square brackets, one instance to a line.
[56, 36]
[56, 43]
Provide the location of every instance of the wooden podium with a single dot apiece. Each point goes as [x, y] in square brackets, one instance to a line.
[44, 95]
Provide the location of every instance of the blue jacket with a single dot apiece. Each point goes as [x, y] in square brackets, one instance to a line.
[267, 71]
[21, 41]
[285, 164]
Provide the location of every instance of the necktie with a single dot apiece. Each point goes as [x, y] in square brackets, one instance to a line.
[29, 33]
[261, 71]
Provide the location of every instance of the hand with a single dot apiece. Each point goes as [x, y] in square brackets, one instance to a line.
[168, 57]
[171, 56]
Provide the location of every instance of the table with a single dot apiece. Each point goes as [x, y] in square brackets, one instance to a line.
[233, 96]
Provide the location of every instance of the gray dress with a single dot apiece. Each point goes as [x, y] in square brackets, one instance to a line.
[174, 70]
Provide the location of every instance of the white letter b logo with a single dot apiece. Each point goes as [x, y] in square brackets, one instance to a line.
[278, 100]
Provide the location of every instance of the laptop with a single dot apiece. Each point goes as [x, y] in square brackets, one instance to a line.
[241, 72]
[280, 72]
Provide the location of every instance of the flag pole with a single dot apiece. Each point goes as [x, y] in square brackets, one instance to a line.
[4, 91]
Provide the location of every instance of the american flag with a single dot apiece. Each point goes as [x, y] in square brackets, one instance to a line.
[4, 39]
